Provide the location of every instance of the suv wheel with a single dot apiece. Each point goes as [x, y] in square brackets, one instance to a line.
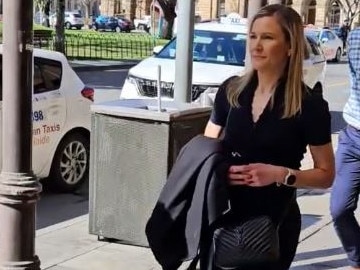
[117, 29]
[141, 27]
[70, 166]
[68, 25]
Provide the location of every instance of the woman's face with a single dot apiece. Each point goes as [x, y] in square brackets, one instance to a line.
[268, 48]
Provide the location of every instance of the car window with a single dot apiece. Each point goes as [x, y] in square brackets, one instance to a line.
[307, 49]
[76, 15]
[331, 36]
[213, 47]
[38, 81]
[314, 34]
[47, 75]
[314, 48]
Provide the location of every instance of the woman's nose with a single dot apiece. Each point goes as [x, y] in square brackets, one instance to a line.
[257, 45]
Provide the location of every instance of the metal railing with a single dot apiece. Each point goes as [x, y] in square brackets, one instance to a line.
[103, 45]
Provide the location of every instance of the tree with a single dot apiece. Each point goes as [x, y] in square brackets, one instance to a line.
[87, 4]
[168, 7]
[42, 6]
[351, 10]
[59, 26]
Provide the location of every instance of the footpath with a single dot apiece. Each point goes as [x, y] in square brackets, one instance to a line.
[69, 246]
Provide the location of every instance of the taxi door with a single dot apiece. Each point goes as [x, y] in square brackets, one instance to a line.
[49, 111]
[314, 63]
[326, 42]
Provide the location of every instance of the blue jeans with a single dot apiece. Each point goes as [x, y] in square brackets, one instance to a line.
[345, 193]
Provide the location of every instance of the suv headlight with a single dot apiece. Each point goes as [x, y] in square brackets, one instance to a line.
[131, 79]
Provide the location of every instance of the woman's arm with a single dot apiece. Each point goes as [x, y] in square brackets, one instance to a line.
[260, 174]
[322, 175]
[212, 130]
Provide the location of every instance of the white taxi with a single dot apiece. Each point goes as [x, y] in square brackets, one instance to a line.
[329, 42]
[218, 53]
[61, 121]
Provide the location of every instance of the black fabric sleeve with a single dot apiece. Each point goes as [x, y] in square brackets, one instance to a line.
[221, 105]
[316, 120]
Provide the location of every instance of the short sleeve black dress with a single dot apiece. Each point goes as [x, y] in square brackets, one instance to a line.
[270, 140]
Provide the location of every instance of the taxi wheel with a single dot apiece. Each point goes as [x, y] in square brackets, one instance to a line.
[70, 166]
[337, 56]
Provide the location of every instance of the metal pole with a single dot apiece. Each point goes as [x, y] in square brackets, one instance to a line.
[184, 48]
[19, 189]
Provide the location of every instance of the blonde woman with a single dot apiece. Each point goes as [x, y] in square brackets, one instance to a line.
[269, 117]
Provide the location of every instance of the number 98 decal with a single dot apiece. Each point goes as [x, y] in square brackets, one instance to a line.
[37, 116]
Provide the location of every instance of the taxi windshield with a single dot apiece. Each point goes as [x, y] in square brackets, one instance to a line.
[213, 47]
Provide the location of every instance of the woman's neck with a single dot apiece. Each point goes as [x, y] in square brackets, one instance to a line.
[267, 82]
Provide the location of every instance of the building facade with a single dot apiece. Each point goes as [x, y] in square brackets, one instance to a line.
[317, 12]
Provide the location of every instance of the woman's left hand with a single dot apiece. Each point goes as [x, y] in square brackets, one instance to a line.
[258, 174]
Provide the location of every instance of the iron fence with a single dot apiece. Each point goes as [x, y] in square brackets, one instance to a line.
[102, 45]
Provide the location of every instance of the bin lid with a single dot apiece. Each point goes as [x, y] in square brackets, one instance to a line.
[148, 109]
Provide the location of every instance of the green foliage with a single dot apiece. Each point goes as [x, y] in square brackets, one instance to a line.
[90, 44]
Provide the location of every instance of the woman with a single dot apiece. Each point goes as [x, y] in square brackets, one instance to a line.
[269, 117]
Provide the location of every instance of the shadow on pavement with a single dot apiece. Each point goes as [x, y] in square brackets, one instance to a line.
[324, 265]
[325, 256]
[54, 208]
[309, 220]
[318, 253]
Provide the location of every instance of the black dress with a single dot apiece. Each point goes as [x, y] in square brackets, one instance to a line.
[276, 141]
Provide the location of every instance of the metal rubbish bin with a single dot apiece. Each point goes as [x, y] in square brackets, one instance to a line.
[133, 147]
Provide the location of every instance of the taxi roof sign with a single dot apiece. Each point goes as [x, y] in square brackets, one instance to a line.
[233, 18]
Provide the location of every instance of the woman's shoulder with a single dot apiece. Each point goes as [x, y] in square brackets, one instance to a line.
[313, 102]
[311, 96]
[224, 85]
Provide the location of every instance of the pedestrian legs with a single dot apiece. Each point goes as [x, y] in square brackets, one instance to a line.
[345, 193]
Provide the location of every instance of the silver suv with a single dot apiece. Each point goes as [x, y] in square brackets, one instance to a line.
[73, 19]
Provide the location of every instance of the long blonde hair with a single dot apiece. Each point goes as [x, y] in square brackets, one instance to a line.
[292, 27]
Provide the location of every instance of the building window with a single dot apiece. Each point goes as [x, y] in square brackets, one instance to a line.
[334, 14]
[220, 8]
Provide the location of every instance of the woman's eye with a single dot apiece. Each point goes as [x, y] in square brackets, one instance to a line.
[252, 36]
[267, 37]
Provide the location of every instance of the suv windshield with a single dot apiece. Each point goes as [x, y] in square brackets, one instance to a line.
[213, 47]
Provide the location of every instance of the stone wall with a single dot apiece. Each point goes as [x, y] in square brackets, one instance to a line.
[205, 7]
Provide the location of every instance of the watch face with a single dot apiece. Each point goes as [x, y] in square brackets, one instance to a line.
[291, 179]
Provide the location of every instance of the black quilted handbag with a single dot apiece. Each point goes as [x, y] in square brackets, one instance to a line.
[250, 243]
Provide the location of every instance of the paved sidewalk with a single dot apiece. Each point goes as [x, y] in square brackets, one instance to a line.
[69, 246]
